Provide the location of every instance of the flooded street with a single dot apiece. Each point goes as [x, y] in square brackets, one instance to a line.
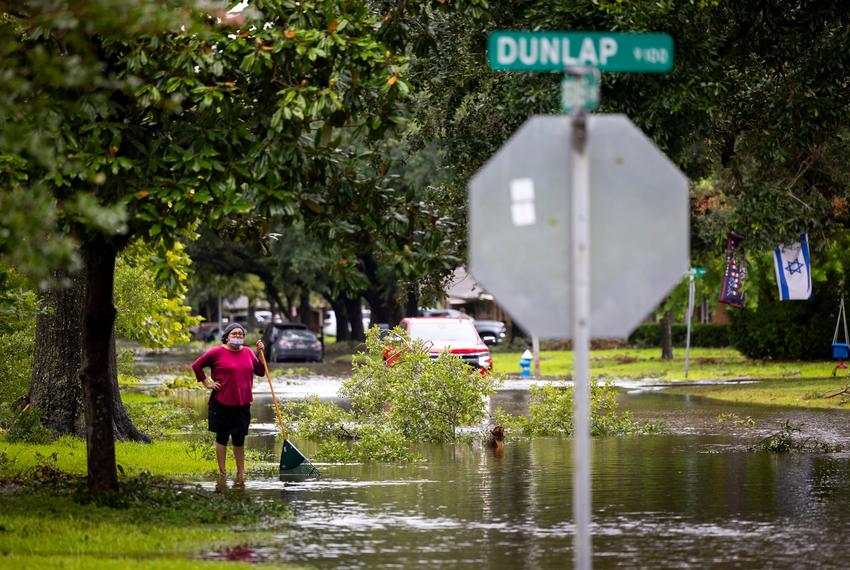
[659, 502]
[693, 498]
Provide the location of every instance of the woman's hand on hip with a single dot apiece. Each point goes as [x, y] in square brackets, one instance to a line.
[212, 384]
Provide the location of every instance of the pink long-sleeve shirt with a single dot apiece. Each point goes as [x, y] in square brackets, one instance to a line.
[234, 370]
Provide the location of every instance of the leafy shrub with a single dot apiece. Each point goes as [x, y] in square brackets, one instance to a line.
[417, 399]
[426, 399]
[182, 382]
[152, 310]
[8, 411]
[126, 358]
[381, 443]
[735, 420]
[320, 420]
[27, 427]
[158, 417]
[790, 438]
[801, 330]
[334, 451]
[16, 361]
[18, 303]
[551, 413]
[18, 306]
[128, 380]
[706, 335]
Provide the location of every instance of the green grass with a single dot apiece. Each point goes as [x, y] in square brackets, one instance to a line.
[46, 526]
[776, 392]
[48, 562]
[166, 458]
[705, 363]
[801, 384]
[46, 523]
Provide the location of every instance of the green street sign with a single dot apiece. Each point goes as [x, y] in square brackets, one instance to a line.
[553, 51]
[580, 92]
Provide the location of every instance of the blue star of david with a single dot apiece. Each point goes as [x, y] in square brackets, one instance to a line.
[794, 267]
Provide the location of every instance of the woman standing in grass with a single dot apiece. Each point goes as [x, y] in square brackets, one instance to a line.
[232, 369]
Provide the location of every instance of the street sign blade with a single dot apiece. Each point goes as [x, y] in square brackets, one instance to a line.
[606, 51]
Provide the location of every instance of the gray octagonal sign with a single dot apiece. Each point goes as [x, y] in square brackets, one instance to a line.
[519, 224]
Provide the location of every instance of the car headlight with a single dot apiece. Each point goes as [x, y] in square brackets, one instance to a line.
[484, 361]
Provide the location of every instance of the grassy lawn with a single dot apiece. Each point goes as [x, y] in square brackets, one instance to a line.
[45, 521]
[68, 454]
[44, 527]
[637, 363]
[814, 393]
[801, 384]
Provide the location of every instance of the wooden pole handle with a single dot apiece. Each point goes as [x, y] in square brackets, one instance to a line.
[274, 399]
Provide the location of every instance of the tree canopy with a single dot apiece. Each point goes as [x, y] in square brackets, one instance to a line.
[140, 120]
[754, 110]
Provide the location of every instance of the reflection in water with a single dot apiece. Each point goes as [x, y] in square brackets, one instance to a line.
[693, 499]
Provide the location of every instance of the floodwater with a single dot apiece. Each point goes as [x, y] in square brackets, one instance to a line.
[695, 498]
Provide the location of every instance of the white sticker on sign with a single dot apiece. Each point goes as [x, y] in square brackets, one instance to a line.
[522, 202]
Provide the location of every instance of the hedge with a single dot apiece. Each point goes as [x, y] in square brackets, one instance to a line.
[702, 334]
[795, 330]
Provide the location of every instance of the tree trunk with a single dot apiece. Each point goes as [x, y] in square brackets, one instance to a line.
[272, 294]
[98, 323]
[385, 308]
[304, 307]
[343, 332]
[355, 317]
[252, 318]
[123, 427]
[55, 387]
[411, 307]
[381, 292]
[289, 306]
[211, 310]
[667, 335]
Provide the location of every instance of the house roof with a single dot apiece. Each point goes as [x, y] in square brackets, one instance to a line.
[462, 287]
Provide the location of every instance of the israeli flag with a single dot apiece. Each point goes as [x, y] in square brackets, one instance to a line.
[793, 270]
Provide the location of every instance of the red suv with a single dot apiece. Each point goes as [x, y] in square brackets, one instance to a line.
[457, 335]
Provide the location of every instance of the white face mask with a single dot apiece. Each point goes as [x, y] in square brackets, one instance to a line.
[236, 341]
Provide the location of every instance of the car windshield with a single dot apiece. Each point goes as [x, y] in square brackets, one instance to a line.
[297, 334]
[443, 330]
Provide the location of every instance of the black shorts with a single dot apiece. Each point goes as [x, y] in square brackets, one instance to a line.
[228, 420]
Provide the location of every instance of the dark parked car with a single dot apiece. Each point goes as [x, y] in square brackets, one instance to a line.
[491, 332]
[291, 341]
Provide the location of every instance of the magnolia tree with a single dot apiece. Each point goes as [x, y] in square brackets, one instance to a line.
[141, 119]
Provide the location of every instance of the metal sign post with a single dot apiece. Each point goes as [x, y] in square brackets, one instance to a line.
[580, 276]
[691, 288]
[535, 355]
[691, 294]
[624, 196]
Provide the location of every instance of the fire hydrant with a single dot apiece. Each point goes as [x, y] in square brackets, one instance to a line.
[525, 364]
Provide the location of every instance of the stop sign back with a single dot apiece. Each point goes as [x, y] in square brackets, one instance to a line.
[519, 224]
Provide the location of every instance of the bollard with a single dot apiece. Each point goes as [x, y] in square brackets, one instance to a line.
[525, 364]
